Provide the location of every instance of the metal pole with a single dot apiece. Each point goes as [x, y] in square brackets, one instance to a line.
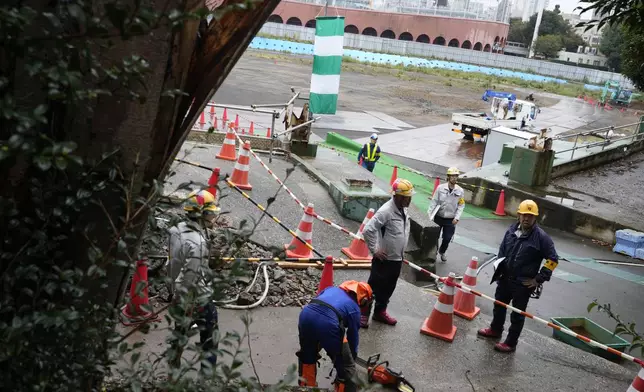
[270, 156]
[574, 147]
[299, 126]
[326, 7]
[535, 35]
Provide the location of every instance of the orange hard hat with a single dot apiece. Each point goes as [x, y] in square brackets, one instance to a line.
[362, 290]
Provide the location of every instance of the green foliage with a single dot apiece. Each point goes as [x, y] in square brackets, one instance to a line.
[632, 56]
[552, 23]
[548, 45]
[611, 46]
[622, 328]
[71, 214]
[614, 12]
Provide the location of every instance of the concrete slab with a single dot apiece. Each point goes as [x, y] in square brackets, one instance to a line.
[435, 144]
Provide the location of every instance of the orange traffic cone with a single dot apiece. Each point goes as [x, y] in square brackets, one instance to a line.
[394, 175]
[436, 184]
[212, 112]
[214, 123]
[638, 383]
[327, 274]
[132, 312]
[439, 324]
[358, 249]
[240, 172]
[251, 130]
[227, 151]
[360, 162]
[236, 121]
[212, 182]
[464, 303]
[224, 118]
[500, 205]
[268, 133]
[296, 249]
[202, 119]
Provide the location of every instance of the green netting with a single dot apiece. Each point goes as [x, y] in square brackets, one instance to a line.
[385, 167]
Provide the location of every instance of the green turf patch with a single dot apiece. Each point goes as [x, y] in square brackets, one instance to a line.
[385, 167]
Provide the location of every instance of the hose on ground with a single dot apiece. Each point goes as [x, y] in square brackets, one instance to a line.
[227, 304]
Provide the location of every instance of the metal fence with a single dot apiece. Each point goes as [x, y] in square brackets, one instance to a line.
[418, 49]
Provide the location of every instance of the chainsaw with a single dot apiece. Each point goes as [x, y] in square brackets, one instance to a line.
[381, 373]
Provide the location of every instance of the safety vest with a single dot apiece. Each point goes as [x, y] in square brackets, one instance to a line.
[371, 155]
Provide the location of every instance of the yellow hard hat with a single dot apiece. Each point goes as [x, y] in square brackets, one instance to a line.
[402, 187]
[528, 207]
[452, 171]
[200, 201]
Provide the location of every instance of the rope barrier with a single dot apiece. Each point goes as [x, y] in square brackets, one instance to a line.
[315, 215]
[528, 315]
[291, 232]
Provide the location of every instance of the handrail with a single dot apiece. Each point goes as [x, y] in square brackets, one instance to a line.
[602, 143]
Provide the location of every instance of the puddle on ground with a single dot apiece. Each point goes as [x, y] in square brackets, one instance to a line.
[582, 331]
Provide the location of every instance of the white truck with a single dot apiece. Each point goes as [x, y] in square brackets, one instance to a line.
[515, 114]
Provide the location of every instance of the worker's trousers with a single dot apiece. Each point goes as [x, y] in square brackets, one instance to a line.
[510, 290]
[207, 320]
[448, 229]
[368, 165]
[336, 348]
[382, 279]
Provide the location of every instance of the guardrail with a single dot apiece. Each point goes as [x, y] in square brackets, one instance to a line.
[607, 140]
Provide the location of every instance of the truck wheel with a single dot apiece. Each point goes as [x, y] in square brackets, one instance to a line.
[468, 137]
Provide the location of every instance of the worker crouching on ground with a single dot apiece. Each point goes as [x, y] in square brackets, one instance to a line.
[322, 324]
[188, 268]
[524, 246]
[370, 153]
[386, 236]
[446, 207]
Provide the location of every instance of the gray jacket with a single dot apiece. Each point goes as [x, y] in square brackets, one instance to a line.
[450, 204]
[388, 230]
[188, 257]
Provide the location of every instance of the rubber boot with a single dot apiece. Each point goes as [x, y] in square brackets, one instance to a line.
[504, 348]
[365, 311]
[384, 317]
[489, 333]
[308, 375]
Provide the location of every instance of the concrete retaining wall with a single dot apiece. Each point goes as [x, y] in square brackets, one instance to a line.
[256, 142]
[551, 214]
[409, 48]
[609, 154]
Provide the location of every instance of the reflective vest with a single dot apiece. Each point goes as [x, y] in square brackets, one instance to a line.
[371, 155]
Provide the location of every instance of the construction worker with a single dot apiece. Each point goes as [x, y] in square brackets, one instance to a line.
[331, 321]
[188, 268]
[386, 236]
[524, 247]
[370, 153]
[446, 207]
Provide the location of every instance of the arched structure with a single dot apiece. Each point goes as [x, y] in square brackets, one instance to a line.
[439, 41]
[405, 37]
[370, 31]
[478, 46]
[275, 19]
[466, 45]
[388, 34]
[351, 29]
[487, 48]
[294, 21]
[453, 43]
[424, 38]
[310, 23]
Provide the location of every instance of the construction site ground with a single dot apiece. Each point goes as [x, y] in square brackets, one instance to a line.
[430, 364]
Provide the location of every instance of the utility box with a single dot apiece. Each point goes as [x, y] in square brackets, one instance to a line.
[499, 140]
[531, 167]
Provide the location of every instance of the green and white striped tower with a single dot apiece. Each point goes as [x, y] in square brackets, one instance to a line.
[327, 64]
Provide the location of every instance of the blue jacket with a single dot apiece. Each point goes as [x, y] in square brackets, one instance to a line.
[321, 323]
[524, 254]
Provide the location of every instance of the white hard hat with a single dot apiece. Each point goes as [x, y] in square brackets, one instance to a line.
[374, 136]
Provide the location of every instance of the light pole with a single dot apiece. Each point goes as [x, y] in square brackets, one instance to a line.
[535, 35]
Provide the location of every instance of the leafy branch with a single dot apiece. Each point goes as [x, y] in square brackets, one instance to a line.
[622, 328]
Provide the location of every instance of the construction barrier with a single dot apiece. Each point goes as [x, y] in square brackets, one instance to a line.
[466, 289]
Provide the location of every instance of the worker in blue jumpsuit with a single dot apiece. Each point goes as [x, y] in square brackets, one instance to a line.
[525, 245]
[331, 322]
[370, 153]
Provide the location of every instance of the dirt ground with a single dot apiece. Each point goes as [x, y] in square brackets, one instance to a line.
[416, 98]
[619, 183]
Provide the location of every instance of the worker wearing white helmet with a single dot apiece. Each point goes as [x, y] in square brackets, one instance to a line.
[446, 207]
[370, 153]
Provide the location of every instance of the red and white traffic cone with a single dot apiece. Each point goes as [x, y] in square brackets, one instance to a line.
[227, 151]
[251, 130]
[394, 175]
[326, 280]
[500, 205]
[214, 123]
[224, 117]
[202, 119]
[440, 322]
[236, 121]
[268, 133]
[358, 250]
[296, 249]
[242, 167]
[465, 303]
[638, 383]
[133, 312]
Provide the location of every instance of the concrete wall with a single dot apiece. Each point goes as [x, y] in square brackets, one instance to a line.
[609, 154]
[256, 142]
[418, 49]
[483, 33]
[551, 214]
